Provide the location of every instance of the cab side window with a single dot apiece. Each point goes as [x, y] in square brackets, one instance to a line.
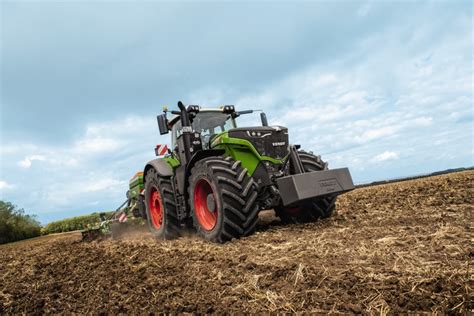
[176, 132]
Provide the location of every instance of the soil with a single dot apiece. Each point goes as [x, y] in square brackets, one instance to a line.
[392, 248]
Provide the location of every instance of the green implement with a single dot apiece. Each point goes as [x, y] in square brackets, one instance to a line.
[132, 208]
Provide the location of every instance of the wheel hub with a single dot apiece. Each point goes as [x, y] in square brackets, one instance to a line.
[156, 208]
[205, 204]
[211, 203]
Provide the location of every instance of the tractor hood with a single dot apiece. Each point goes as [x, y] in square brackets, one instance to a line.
[270, 141]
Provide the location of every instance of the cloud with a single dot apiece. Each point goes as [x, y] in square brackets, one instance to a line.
[28, 160]
[386, 155]
[423, 121]
[123, 69]
[109, 136]
[364, 10]
[85, 190]
[376, 133]
[90, 171]
[48, 157]
[101, 185]
[5, 185]
[97, 145]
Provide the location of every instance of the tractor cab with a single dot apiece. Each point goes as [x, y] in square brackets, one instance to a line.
[206, 122]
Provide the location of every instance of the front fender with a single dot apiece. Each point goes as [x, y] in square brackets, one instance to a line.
[201, 155]
[161, 166]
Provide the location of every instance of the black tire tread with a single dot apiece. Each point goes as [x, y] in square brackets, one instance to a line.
[171, 222]
[238, 193]
[313, 209]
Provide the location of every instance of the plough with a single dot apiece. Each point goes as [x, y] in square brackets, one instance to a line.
[113, 224]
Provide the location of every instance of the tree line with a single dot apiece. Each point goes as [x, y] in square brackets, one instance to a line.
[15, 224]
[71, 224]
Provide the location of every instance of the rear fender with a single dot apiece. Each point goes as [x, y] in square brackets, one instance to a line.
[161, 166]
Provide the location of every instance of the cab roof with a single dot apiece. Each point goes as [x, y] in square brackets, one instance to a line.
[175, 118]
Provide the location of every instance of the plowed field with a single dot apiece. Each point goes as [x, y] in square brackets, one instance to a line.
[393, 248]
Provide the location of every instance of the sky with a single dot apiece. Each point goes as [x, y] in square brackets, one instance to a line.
[384, 88]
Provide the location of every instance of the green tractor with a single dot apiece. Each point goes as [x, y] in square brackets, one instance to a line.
[217, 177]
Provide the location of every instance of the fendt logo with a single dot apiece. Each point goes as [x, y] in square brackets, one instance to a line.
[278, 144]
[329, 185]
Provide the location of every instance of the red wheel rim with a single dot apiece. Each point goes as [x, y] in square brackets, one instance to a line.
[156, 208]
[206, 217]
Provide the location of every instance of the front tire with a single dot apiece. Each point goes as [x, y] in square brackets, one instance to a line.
[161, 212]
[313, 209]
[223, 199]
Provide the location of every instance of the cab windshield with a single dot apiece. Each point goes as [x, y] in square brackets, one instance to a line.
[208, 124]
[211, 123]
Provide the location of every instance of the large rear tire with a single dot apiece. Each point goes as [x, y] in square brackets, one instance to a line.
[313, 209]
[223, 199]
[161, 212]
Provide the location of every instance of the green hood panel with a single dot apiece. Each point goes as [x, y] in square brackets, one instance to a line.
[172, 161]
[238, 149]
[243, 150]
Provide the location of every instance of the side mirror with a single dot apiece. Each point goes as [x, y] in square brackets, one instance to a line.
[263, 117]
[162, 124]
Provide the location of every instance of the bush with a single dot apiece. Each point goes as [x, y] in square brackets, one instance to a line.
[71, 224]
[15, 224]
